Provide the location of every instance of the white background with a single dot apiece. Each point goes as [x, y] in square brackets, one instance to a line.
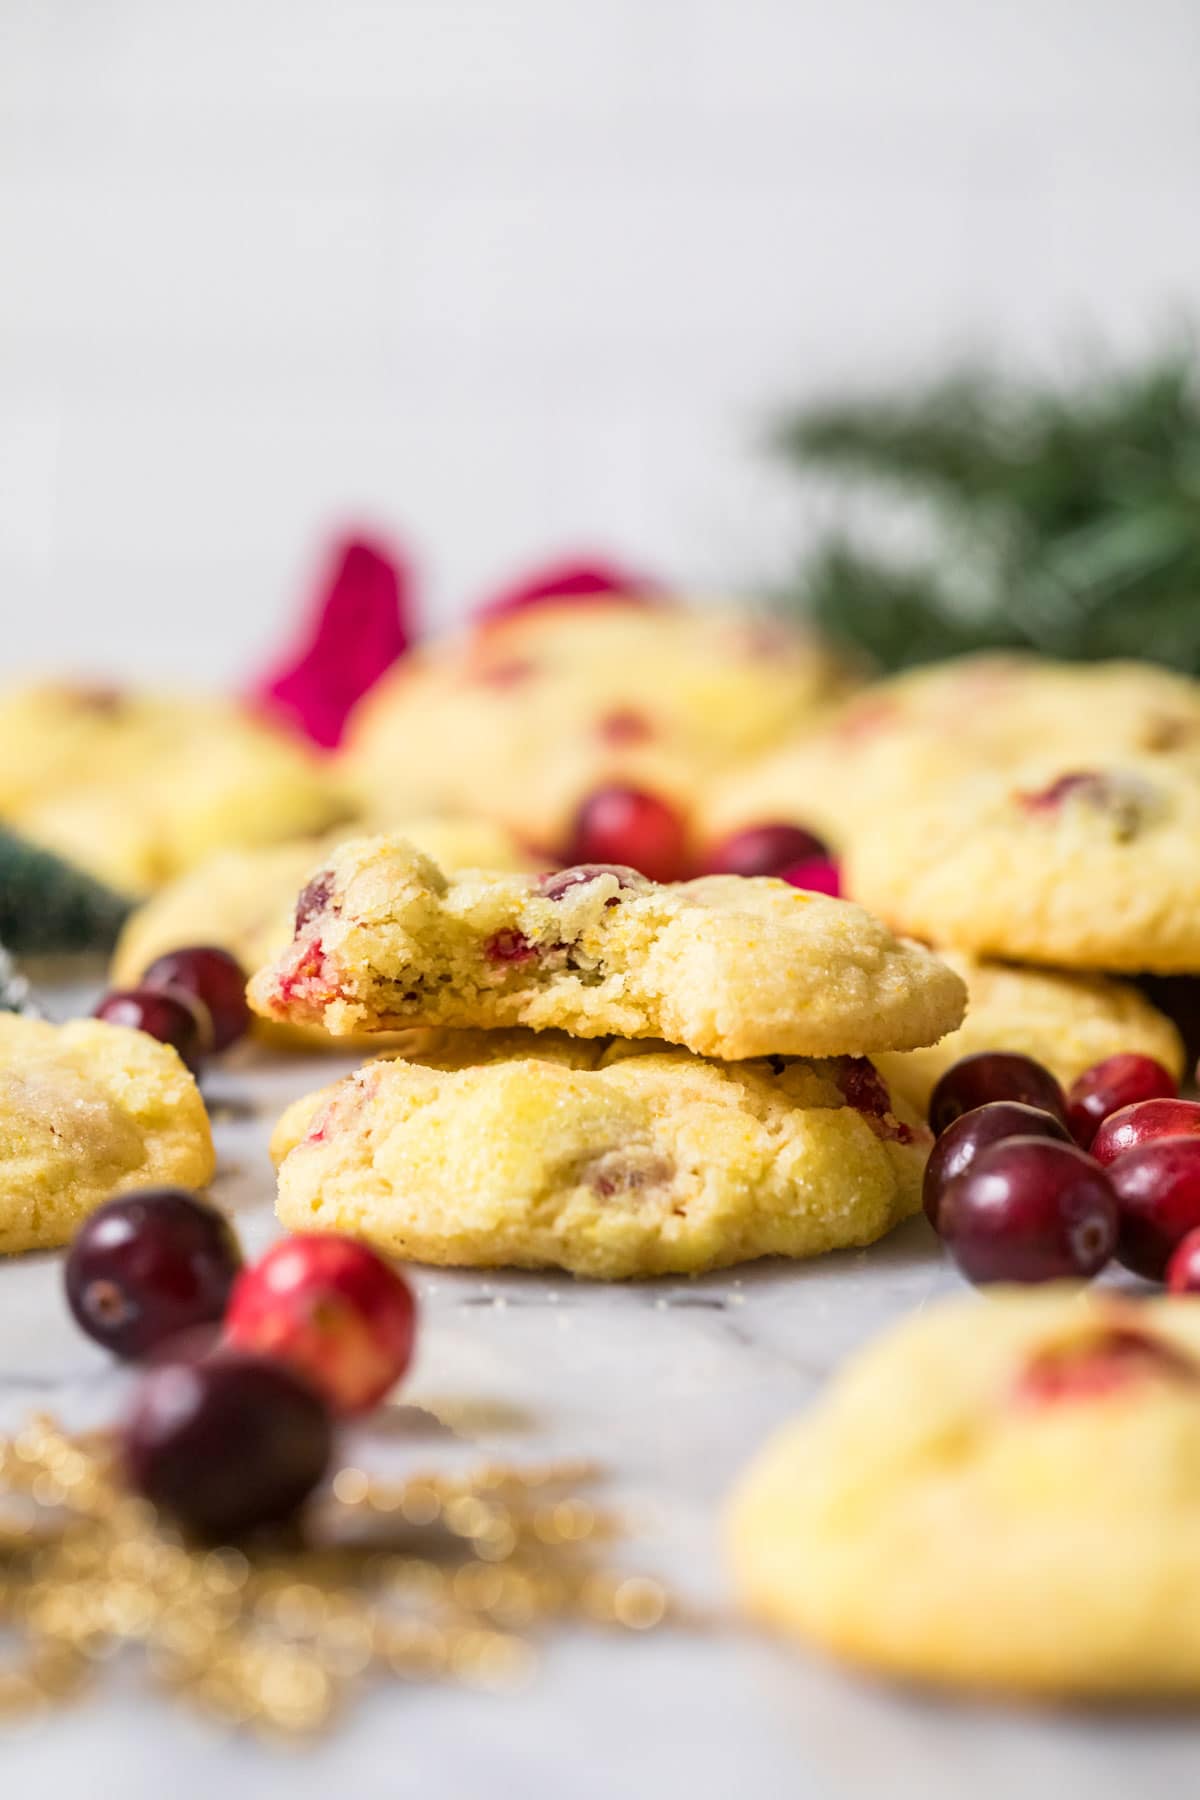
[517, 277]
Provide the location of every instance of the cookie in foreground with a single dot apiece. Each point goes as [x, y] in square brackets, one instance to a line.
[88, 1110]
[725, 966]
[609, 1160]
[999, 1495]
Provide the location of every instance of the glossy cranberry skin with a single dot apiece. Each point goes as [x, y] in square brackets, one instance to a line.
[625, 825]
[147, 1266]
[1157, 1185]
[993, 1075]
[1141, 1123]
[1030, 1210]
[976, 1131]
[226, 1444]
[1109, 1085]
[1183, 1270]
[332, 1309]
[765, 850]
[215, 978]
[173, 1018]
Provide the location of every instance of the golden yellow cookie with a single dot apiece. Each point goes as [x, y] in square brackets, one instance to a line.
[88, 1110]
[609, 1161]
[521, 718]
[898, 741]
[244, 902]
[137, 788]
[1067, 1022]
[1094, 867]
[725, 966]
[998, 1494]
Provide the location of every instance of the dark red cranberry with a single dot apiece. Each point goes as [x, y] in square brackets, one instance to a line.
[147, 1266]
[625, 825]
[174, 1018]
[553, 887]
[1109, 1085]
[509, 947]
[215, 978]
[976, 1131]
[228, 1444]
[993, 1075]
[765, 850]
[1138, 1124]
[313, 898]
[1157, 1185]
[820, 876]
[1183, 1270]
[1030, 1210]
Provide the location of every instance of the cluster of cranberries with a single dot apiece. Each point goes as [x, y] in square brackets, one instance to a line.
[1026, 1183]
[232, 1423]
[193, 999]
[641, 831]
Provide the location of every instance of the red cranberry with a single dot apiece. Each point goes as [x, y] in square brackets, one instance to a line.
[313, 898]
[215, 978]
[509, 947]
[765, 850]
[1085, 782]
[147, 1266]
[820, 876]
[174, 1018]
[993, 1075]
[625, 726]
[1138, 1124]
[227, 1444]
[553, 887]
[978, 1130]
[625, 825]
[333, 1310]
[1097, 1366]
[1030, 1210]
[1183, 1270]
[1109, 1085]
[1157, 1185]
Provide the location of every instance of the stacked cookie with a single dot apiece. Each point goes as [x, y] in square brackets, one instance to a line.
[620, 1077]
[1038, 823]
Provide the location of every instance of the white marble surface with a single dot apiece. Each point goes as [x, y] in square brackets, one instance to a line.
[671, 1386]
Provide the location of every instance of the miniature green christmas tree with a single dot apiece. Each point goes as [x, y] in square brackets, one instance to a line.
[1062, 520]
[48, 905]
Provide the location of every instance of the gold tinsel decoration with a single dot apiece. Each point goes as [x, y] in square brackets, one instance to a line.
[431, 1578]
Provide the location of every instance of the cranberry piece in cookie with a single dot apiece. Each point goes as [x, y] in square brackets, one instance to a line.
[1100, 1365]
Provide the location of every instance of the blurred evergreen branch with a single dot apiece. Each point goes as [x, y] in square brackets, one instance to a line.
[1067, 520]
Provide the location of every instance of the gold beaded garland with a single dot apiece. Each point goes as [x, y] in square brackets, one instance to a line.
[436, 1577]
